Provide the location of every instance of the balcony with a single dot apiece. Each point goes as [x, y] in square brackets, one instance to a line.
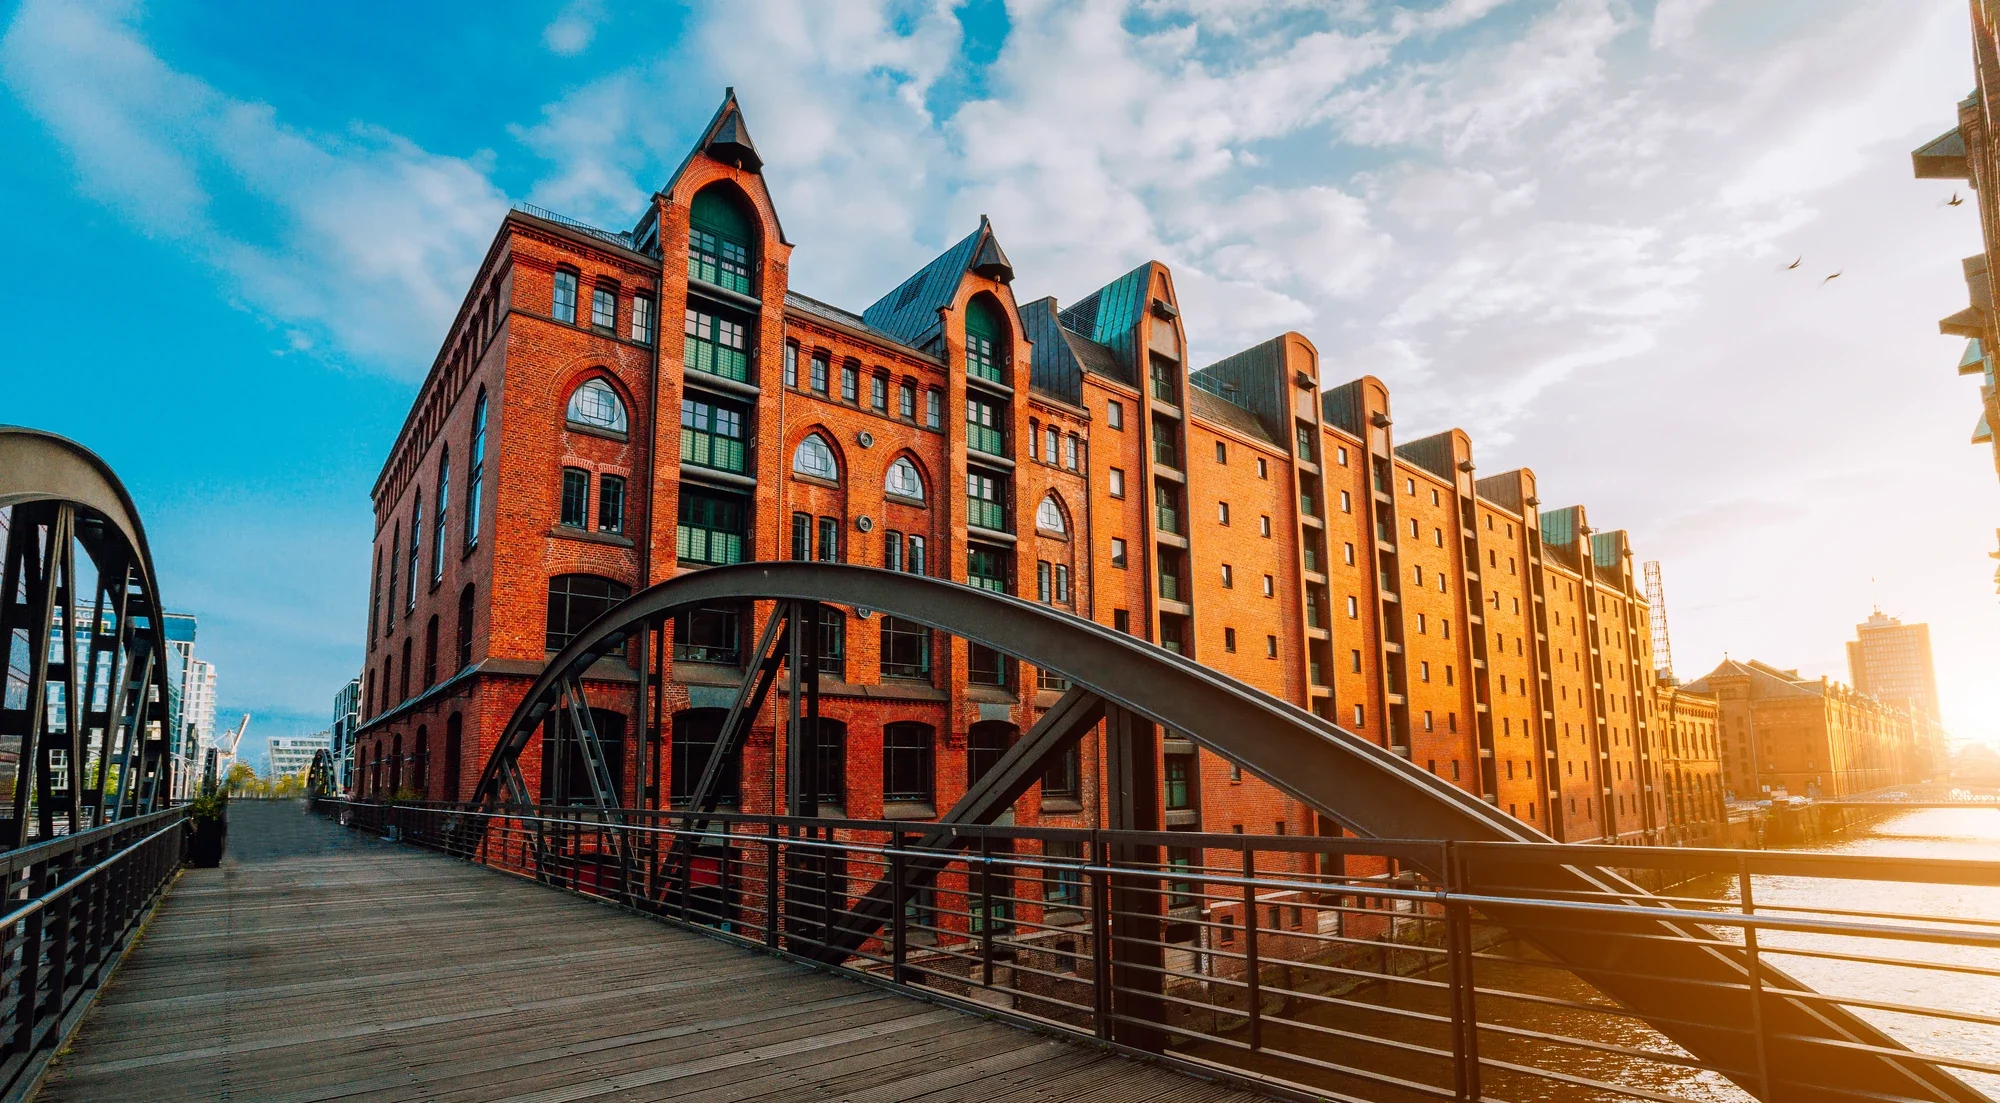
[710, 450]
[713, 358]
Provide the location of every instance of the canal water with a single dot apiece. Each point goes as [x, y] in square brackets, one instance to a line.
[1336, 1034]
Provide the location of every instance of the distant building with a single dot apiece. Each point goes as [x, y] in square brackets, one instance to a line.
[1783, 734]
[292, 754]
[1691, 767]
[1891, 661]
[346, 718]
[183, 742]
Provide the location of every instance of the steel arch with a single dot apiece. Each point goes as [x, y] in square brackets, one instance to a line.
[1363, 787]
[58, 491]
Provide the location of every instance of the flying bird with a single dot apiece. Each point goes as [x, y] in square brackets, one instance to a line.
[1954, 200]
[1830, 279]
[1794, 264]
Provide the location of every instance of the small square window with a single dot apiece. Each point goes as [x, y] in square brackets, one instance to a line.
[1117, 552]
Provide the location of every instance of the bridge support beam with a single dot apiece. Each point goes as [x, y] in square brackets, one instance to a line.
[1138, 929]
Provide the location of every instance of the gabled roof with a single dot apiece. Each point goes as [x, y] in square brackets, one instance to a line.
[1110, 315]
[910, 312]
[727, 139]
[1765, 681]
[1061, 356]
[1220, 411]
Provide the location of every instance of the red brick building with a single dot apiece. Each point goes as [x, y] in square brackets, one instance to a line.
[1066, 454]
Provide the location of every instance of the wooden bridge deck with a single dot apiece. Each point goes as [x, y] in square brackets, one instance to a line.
[320, 964]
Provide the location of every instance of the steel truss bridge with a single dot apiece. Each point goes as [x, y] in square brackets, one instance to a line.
[1437, 949]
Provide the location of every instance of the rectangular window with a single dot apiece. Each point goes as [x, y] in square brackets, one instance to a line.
[985, 667]
[984, 502]
[711, 528]
[563, 307]
[604, 308]
[906, 400]
[1263, 469]
[1050, 442]
[712, 435]
[906, 650]
[1121, 620]
[802, 525]
[850, 383]
[1222, 513]
[1359, 717]
[1179, 782]
[1228, 577]
[791, 364]
[707, 634]
[1346, 502]
[1264, 526]
[1350, 555]
[1062, 584]
[1270, 586]
[915, 560]
[575, 498]
[1353, 608]
[716, 345]
[1117, 552]
[878, 393]
[983, 422]
[1343, 456]
[1062, 877]
[829, 540]
[1044, 580]
[1271, 647]
[1229, 640]
[820, 368]
[642, 319]
[1114, 414]
[892, 551]
[611, 503]
[1117, 483]
[986, 569]
[934, 409]
[1069, 451]
[717, 260]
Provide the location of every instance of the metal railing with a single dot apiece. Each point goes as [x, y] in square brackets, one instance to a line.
[72, 905]
[1320, 967]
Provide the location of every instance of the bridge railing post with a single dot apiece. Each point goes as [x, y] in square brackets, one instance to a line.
[1100, 936]
[899, 932]
[1252, 965]
[1753, 975]
[771, 909]
[1458, 956]
[985, 911]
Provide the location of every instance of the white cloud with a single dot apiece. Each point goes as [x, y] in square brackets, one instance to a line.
[360, 237]
[573, 28]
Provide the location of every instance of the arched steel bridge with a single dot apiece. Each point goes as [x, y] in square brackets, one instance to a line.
[1728, 1008]
[81, 725]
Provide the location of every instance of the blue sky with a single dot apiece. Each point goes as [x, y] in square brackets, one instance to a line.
[1557, 224]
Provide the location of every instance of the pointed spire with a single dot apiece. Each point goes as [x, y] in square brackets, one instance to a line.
[728, 137]
[990, 261]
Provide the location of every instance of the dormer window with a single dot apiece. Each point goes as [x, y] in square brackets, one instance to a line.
[596, 405]
[985, 341]
[719, 235]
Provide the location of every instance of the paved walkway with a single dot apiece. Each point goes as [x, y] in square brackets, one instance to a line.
[320, 964]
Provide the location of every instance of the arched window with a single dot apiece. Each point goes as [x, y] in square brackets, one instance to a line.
[443, 516]
[985, 743]
[907, 762]
[595, 404]
[577, 599]
[465, 627]
[720, 236]
[903, 480]
[406, 670]
[472, 487]
[815, 458]
[695, 734]
[985, 340]
[431, 652]
[420, 762]
[454, 728]
[1049, 517]
[395, 765]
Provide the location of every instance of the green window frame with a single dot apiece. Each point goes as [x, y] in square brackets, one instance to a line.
[986, 569]
[985, 502]
[712, 435]
[982, 427]
[716, 345]
[985, 342]
[711, 529]
[719, 236]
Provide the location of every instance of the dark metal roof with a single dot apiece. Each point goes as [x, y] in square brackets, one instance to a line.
[1219, 410]
[1053, 367]
[910, 312]
[1341, 407]
[810, 306]
[1110, 316]
[1942, 158]
[1255, 381]
[1432, 453]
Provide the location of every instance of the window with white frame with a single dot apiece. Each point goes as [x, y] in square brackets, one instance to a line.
[595, 404]
[814, 457]
[903, 480]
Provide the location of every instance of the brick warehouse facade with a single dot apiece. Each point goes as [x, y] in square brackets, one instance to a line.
[1235, 513]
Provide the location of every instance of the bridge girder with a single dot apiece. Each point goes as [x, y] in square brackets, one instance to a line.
[1681, 983]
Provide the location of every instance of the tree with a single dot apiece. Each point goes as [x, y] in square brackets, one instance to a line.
[242, 781]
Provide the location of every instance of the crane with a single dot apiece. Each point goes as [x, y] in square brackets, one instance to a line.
[226, 745]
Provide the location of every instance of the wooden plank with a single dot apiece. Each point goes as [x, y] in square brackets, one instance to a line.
[324, 966]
